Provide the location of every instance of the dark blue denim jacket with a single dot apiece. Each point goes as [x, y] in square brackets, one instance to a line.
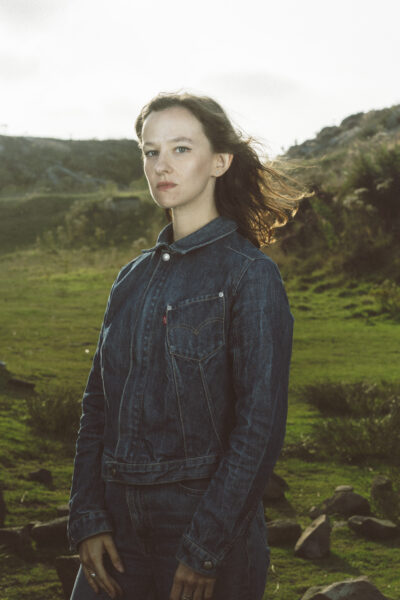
[189, 380]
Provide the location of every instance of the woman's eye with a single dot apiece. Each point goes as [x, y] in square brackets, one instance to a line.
[184, 147]
[148, 153]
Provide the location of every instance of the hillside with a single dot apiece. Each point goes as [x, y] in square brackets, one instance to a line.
[47, 164]
[62, 193]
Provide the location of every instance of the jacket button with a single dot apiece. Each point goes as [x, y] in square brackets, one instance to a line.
[113, 471]
[166, 256]
[207, 564]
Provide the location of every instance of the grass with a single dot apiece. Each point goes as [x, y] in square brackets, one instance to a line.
[51, 307]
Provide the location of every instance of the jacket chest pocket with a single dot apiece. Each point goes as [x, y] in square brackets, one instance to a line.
[195, 326]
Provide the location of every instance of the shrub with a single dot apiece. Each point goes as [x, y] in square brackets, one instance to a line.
[55, 413]
[364, 420]
[388, 296]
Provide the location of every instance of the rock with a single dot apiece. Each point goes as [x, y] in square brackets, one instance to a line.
[314, 542]
[349, 589]
[344, 488]
[50, 533]
[283, 531]
[346, 503]
[387, 500]
[3, 508]
[16, 538]
[372, 528]
[42, 476]
[381, 485]
[67, 569]
[275, 488]
[62, 510]
[20, 383]
[315, 512]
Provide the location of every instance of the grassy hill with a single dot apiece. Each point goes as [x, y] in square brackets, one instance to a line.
[47, 164]
[59, 253]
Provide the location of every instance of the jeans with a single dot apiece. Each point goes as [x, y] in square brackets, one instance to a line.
[148, 522]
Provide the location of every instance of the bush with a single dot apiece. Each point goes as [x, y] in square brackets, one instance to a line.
[352, 399]
[364, 420]
[55, 413]
[388, 296]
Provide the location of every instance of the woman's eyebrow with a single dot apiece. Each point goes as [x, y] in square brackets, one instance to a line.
[177, 139]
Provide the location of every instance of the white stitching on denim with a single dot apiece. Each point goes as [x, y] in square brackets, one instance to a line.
[209, 404]
[179, 405]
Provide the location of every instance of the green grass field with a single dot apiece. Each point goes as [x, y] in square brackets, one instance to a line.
[51, 308]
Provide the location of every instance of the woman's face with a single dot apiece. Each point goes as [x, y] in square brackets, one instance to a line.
[176, 149]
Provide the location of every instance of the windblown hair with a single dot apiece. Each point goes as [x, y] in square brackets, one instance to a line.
[252, 193]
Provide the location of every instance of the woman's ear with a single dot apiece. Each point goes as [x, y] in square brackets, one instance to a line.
[223, 163]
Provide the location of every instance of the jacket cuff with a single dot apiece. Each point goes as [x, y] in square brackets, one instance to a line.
[196, 557]
[86, 526]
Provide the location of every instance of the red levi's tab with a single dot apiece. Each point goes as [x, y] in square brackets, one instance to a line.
[164, 319]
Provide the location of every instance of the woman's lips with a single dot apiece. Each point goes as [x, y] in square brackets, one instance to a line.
[163, 186]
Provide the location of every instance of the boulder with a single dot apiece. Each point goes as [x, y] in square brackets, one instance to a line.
[344, 488]
[314, 542]
[51, 533]
[3, 508]
[373, 528]
[283, 531]
[62, 510]
[381, 485]
[42, 476]
[349, 589]
[67, 568]
[346, 503]
[275, 488]
[15, 538]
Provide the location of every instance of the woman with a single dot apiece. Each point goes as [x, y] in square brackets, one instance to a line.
[184, 412]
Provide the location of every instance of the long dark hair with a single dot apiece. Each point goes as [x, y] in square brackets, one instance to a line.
[252, 193]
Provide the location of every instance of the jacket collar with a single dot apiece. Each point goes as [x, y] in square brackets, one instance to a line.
[210, 232]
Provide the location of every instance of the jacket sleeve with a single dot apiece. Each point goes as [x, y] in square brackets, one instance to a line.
[260, 346]
[87, 513]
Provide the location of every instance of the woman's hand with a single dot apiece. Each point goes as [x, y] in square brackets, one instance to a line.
[91, 553]
[188, 582]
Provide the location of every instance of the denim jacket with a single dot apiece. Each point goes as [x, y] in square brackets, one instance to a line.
[189, 380]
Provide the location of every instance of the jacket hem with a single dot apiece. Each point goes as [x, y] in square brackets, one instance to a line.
[114, 469]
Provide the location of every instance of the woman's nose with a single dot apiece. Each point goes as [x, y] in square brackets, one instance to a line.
[162, 164]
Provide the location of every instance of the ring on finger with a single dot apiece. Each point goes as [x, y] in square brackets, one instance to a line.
[92, 574]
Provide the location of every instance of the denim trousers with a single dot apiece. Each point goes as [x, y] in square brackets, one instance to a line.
[149, 521]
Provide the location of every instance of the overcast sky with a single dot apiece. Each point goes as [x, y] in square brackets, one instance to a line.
[283, 70]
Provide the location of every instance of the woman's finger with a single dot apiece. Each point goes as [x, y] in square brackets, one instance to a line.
[113, 553]
[110, 585]
[195, 593]
[91, 580]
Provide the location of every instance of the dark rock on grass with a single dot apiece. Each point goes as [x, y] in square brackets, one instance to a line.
[381, 485]
[21, 384]
[42, 476]
[15, 538]
[373, 528]
[345, 503]
[283, 531]
[3, 508]
[67, 569]
[63, 510]
[51, 533]
[314, 542]
[344, 488]
[275, 488]
[349, 589]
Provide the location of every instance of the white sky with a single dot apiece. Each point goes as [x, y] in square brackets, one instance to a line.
[283, 69]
